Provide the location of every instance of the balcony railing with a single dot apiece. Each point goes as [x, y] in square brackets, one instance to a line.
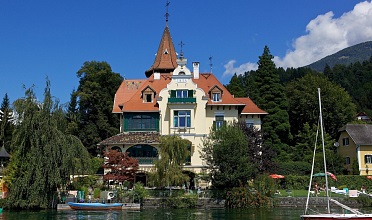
[146, 160]
[181, 100]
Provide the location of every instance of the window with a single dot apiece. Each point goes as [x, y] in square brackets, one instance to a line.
[368, 158]
[347, 161]
[182, 119]
[188, 159]
[216, 97]
[219, 121]
[148, 97]
[181, 93]
[345, 141]
[249, 124]
[141, 122]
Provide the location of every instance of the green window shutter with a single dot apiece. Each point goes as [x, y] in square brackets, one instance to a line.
[224, 123]
[214, 126]
[190, 93]
[173, 93]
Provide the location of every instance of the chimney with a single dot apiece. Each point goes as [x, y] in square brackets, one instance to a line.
[196, 69]
[156, 76]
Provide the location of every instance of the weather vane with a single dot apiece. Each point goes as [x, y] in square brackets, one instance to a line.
[166, 13]
[210, 62]
[181, 44]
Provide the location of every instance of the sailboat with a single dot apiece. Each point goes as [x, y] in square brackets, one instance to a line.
[354, 214]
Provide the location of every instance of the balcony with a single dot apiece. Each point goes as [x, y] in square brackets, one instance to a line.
[181, 100]
[146, 160]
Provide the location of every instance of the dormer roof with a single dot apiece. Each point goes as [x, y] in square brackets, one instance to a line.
[166, 57]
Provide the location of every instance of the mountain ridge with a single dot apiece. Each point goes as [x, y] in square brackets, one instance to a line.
[359, 52]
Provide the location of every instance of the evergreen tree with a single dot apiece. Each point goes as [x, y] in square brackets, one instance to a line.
[72, 115]
[271, 98]
[45, 156]
[95, 94]
[6, 125]
[236, 86]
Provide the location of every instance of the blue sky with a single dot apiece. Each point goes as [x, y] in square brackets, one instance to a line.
[53, 39]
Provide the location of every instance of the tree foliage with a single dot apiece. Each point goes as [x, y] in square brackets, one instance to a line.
[173, 154]
[226, 155]
[260, 155]
[122, 167]
[337, 106]
[269, 95]
[44, 157]
[236, 87]
[95, 94]
[6, 125]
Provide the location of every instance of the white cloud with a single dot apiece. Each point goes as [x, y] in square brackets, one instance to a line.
[325, 35]
[231, 70]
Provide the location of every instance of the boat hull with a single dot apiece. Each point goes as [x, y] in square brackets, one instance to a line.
[95, 206]
[336, 216]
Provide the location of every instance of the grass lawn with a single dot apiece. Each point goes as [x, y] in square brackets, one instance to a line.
[303, 193]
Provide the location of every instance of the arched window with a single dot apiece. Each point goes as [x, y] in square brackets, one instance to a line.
[144, 153]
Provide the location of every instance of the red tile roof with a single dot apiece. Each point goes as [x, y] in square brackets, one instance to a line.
[250, 107]
[131, 138]
[166, 58]
[130, 98]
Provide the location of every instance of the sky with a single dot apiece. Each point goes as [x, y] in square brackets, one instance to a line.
[43, 39]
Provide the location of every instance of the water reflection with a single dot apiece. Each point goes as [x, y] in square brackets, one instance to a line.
[158, 214]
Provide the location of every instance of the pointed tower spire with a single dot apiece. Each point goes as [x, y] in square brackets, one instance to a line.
[166, 57]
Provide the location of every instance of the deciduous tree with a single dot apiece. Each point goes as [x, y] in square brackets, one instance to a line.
[338, 107]
[44, 157]
[122, 167]
[173, 154]
[225, 154]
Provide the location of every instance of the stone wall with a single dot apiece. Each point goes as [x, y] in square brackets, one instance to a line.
[298, 202]
[203, 203]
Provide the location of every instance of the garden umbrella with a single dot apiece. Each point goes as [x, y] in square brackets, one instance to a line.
[328, 173]
[276, 176]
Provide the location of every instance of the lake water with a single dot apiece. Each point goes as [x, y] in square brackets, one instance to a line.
[155, 214]
[160, 214]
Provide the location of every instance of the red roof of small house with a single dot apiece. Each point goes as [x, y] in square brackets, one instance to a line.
[250, 107]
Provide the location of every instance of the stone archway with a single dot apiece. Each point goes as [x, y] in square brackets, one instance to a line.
[191, 183]
[116, 148]
[141, 177]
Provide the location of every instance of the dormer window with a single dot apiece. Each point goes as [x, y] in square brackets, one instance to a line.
[148, 95]
[216, 97]
[215, 94]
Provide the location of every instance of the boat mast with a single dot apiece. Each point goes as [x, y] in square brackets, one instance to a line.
[324, 156]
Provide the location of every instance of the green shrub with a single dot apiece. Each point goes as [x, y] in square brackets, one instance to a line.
[241, 197]
[185, 201]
